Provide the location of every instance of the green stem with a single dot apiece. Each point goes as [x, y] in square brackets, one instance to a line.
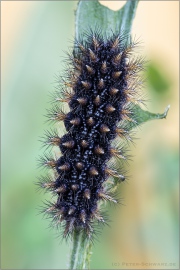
[80, 251]
[92, 14]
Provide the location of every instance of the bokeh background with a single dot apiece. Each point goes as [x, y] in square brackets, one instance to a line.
[144, 230]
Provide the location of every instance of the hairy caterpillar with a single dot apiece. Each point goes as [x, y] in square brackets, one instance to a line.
[100, 89]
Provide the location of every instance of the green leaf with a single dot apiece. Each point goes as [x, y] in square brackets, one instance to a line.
[91, 14]
[141, 116]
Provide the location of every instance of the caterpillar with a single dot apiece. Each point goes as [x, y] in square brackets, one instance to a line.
[100, 88]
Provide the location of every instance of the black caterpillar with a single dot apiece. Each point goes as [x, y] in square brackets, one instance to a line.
[100, 91]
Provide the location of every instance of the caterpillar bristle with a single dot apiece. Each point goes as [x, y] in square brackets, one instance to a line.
[56, 114]
[104, 128]
[92, 56]
[68, 144]
[93, 171]
[84, 143]
[111, 172]
[109, 108]
[106, 197]
[87, 193]
[115, 43]
[82, 101]
[79, 165]
[121, 132]
[51, 138]
[61, 189]
[76, 121]
[99, 150]
[65, 95]
[100, 87]
[101, 84]
[104, 67]
[48, 209]
[117, 58]
[97, 100]
[87, 85]
[117, 153]
[47, 162]
[82, 48]
[113, 91]
[90, 121]
[45, 183]
[116, 74]
[64, 167]
[95, 43]
[90, 70]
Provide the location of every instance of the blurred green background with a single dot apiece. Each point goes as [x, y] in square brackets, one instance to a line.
[144, 230]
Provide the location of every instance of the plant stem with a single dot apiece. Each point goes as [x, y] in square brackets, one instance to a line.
[80, 251]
